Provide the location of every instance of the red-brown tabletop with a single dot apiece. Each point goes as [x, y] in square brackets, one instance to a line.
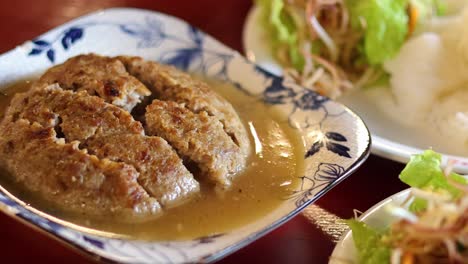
[297, 241]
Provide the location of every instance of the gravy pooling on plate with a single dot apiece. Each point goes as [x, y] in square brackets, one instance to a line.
[269, 177]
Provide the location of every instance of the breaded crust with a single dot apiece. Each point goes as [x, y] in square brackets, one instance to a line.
[68, 176]
[78, 115]
[170, 84]
[109, 132]
[97, 75]
[162, 172]
[197, 137]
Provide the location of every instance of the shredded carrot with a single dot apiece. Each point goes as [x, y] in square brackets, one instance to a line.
[407, 258]
[413, 15]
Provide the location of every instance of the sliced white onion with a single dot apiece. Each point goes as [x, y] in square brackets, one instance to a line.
[325, 38]
[396, 256]
[401, 213]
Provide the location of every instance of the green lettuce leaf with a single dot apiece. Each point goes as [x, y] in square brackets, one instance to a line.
[282, 29]
[441, 7]
[385, 27]
[418, 205]
[424, 172]
[369, 243]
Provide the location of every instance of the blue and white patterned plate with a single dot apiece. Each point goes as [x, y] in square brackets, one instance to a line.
[337, 141]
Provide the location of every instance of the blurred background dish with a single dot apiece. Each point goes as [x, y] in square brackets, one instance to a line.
[403, 124]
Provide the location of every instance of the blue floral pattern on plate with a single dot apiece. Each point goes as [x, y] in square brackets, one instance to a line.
[336, 140]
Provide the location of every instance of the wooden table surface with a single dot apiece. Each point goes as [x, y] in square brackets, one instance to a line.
[297, 241]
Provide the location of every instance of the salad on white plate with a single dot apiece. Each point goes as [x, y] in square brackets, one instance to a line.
[400, 64]
[334, 45]
[429, 221]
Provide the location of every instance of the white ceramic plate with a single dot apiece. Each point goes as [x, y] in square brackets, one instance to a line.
[335, 139]
[389, 139]
[376, 217]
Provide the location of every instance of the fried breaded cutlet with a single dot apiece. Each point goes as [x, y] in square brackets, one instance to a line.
[108, 132]
[70, 177]
[73, 139]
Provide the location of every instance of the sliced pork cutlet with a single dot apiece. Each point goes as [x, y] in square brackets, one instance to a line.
[69, 177]
[95, 123]
[97, 75]
[169, 84]
[161, 170]
[198, 138]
